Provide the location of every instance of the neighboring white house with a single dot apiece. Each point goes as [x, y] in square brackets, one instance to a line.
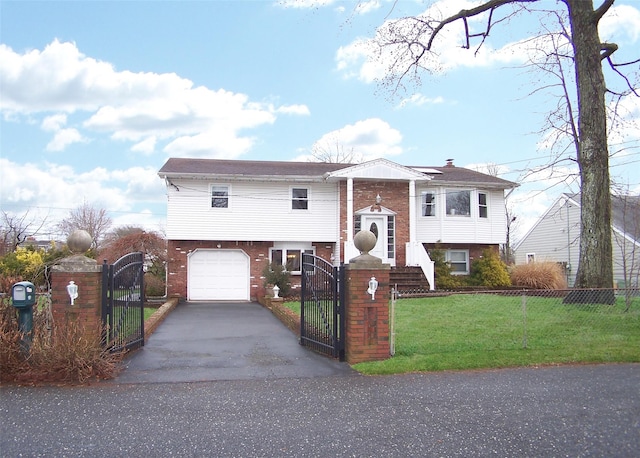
[227, 219]
[556, 237]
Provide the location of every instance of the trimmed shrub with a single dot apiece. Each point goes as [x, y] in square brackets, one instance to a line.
[490, 271]
[539, 275]
[154, 286]
[277, 274]
[442, 270]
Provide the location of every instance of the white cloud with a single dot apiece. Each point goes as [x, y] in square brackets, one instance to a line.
[621, 22]
[62, 137]
[51, 186]
[304, 4]
[369, 139]
[146, 146]
[144, 108]
[301, 110]
[364, 7]
[420, 100]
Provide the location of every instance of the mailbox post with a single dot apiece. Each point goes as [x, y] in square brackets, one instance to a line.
[23, 295]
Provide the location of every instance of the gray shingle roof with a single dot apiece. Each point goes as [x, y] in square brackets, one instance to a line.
[175, 167]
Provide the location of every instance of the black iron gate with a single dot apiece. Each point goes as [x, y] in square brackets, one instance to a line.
[322, 305]
[123, 302]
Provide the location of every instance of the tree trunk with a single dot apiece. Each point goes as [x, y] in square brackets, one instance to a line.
[595, 268]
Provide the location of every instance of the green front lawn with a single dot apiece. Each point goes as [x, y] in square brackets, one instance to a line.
[476, 331]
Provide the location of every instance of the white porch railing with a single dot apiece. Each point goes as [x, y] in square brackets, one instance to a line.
[418, 256]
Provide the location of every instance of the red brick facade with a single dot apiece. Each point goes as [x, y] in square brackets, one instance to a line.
[87, 308]
[395, 197]
[258, 253]
[367, 318]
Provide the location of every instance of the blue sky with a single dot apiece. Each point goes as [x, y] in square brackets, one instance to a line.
[96, 95]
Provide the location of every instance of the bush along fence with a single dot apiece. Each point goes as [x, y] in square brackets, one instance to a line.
[551, 325]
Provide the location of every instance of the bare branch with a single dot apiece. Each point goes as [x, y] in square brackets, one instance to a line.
[607, 50]
[465, 14]
[623, 76]
[602, 10]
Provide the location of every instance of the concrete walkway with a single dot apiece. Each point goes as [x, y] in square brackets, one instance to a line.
[200, 342]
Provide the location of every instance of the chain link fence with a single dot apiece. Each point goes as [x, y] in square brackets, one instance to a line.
[570, 323]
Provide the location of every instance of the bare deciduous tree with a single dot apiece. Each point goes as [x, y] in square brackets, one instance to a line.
[413, 41]
[86, 217]
[335, 153]
[15, 230]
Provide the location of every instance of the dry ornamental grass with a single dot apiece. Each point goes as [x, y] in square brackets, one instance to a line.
[539, 275]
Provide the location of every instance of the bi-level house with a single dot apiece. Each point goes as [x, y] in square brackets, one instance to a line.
[228, 219]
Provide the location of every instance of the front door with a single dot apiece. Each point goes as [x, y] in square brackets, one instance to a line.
[378, 225]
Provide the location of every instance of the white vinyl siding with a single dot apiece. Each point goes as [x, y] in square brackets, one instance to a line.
[445, 228]
[257, 211]
[555, 237]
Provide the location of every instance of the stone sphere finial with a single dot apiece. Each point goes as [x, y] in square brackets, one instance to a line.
[365, 241]
[79, 241]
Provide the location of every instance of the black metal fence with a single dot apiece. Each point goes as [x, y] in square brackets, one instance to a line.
[123, 302]
[322, 305]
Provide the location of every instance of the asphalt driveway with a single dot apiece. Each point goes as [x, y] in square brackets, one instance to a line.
[200, 342]
[571, 411]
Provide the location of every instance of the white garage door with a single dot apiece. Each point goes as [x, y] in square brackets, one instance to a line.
[218, 275]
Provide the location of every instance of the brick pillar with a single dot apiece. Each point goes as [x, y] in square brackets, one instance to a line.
[367, 318]
[87, 309]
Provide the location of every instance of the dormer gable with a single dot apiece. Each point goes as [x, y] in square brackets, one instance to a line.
[379, 169]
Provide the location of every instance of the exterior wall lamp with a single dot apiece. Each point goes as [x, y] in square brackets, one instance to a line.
[72, 290]
[373, 286]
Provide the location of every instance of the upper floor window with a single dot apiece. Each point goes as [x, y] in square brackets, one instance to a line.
[483, 209]
[300, 198]
[428, 204]
[458, 203]
[219, 196]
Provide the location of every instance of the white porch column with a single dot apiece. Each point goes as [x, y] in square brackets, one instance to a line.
[349, 209]
[413, 221]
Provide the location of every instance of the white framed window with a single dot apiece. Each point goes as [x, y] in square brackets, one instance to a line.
[483, 207]
[458, 203]
[220, 195]
[458, 260]
[428, 204]
[300, 198]
[291, 258]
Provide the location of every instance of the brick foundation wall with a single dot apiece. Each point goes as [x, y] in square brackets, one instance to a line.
[258, 253]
